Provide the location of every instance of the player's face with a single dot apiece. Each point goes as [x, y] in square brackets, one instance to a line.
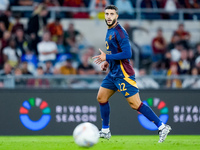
[110, 17]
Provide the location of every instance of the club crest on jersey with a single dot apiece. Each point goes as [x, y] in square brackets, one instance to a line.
[110, 37]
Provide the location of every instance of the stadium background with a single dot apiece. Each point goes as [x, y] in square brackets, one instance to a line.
[165, 77]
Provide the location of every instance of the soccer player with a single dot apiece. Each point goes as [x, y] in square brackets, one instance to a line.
[121, 76]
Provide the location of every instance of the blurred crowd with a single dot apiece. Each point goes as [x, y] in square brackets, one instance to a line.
[43, 48]
[126, 7]
[176, 57]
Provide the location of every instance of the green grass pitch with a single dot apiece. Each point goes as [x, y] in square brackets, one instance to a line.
[173, 142]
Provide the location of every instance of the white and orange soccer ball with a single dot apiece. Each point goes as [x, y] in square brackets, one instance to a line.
[86, 134]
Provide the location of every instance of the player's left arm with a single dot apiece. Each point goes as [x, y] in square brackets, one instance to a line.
[125, 46]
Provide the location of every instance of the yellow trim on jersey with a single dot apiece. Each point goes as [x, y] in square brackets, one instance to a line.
[130, 81]
[107, 46]
[123, 71]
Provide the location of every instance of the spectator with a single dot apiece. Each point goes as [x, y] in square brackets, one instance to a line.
[51, 3]
[67, 68]
[4, 19]
[151, 4]
[197, 50]
[55, 3]
[70, 39]
[56, 29]
[91, 52]
[21, 40]
[70, 3]
[12, 55]
[184, 35]
[7, 70]
[32, 43]
[84, 67]
[19, 82]
[192, 82]
[24, 68]
[47, 49]
[17, 24]
[191, 58]
[175, 39]
[126, 10]
[98, 5]
[48, 68]
[4, 43]
[167, 60]
[38, 82]
[175, 53]
[158, 46]
[191, 4]
[31, 59]
[171, 6]
[173, 72]
[2, 29]
[158, 69]
[184, 64]
[197, 63]
[38, 21]
[60, 45]
[77, 3]
[86, 2]
[56, 71]
[25, 2]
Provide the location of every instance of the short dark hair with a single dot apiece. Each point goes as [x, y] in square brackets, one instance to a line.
[112, 7]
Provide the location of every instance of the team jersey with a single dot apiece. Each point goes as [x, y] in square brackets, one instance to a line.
[118, 52]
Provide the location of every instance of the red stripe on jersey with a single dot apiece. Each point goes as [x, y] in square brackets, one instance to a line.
[120, 31]
[127, 67]
[118, 46]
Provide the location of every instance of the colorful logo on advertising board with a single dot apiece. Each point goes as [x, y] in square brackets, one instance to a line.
[30, 107]
[158, 106]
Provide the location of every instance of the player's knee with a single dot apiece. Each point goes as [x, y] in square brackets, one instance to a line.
[101, 99]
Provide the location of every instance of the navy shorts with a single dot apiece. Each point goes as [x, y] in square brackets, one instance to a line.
[127, 86]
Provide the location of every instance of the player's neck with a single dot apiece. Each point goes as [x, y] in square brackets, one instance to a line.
[114, 25]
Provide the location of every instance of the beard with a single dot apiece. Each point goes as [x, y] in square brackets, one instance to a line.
[110, 25]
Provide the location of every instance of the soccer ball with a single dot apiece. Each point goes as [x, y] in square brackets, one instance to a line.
[86, 134]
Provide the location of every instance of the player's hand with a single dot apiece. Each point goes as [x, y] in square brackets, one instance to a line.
[100, 58]
[104, 66]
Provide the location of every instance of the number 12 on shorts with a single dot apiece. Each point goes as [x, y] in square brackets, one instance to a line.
[122, 87]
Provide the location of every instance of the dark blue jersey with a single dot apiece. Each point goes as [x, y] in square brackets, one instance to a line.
[118, 52]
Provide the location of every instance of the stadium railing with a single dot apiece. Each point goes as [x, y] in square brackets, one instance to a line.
[138, 11]
[94, 81]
